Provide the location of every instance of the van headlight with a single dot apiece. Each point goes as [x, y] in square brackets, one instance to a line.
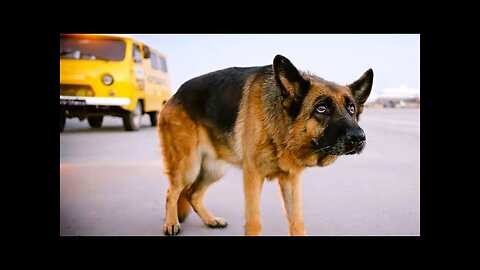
[107, 79]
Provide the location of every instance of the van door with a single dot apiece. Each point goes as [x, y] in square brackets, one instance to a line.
[165, 80]
[153, 82]
[139, 71]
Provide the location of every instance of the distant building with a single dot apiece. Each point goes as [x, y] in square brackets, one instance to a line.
[391, 102]
[402, 97]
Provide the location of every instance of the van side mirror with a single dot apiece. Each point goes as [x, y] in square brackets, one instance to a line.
[146, 52]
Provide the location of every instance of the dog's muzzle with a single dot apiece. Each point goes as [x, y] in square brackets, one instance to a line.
[356, 140]
[353, 142]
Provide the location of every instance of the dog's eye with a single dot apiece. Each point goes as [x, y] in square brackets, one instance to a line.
[321, 109]
[351, 109]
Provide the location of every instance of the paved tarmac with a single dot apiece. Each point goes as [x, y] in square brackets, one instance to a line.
[111, 183]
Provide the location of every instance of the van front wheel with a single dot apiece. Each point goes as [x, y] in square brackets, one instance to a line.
[153, 118]
[131, 120]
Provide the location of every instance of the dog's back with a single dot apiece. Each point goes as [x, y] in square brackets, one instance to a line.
[214, 98]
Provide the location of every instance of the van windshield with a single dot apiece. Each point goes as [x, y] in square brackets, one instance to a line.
[92, 48]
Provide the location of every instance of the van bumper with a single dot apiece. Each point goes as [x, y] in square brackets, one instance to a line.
[101, 101]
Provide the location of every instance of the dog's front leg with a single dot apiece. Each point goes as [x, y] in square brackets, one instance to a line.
[290, 186]
[252, 184]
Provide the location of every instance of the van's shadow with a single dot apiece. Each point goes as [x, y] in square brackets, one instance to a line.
[75, 126]
[109, 129]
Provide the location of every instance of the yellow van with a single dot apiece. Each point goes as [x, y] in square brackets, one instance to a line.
[111, 75]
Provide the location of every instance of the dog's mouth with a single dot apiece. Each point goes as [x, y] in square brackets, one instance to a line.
[342, 147]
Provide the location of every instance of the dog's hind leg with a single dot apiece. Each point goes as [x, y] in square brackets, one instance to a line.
[183, 205]
[210, 172]
[179, 180]
[182, 162]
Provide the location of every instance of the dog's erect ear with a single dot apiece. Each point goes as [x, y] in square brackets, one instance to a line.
[361, 88]
[288, 79]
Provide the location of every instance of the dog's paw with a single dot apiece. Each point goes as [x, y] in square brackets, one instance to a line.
[218, 222]
[171, 229]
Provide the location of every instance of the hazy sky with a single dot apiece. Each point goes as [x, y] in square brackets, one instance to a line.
[395, 59]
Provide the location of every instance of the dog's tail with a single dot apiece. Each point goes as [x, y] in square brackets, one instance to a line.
[183, 205]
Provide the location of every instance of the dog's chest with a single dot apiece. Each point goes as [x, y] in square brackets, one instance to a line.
[267, 161]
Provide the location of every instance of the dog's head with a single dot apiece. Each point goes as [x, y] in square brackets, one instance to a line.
[324, 115]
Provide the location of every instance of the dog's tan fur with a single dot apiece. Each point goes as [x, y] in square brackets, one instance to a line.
[265, 143]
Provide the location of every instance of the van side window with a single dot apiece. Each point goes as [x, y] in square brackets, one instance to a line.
[155, 64]
[146, 52]
[137, 56]
[163, 64]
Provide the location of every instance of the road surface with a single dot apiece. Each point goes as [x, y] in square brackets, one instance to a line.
[111, 183]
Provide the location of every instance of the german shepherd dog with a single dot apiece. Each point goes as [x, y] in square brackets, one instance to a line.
[272, 121]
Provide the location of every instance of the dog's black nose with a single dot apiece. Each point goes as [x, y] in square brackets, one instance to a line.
[355, 135]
